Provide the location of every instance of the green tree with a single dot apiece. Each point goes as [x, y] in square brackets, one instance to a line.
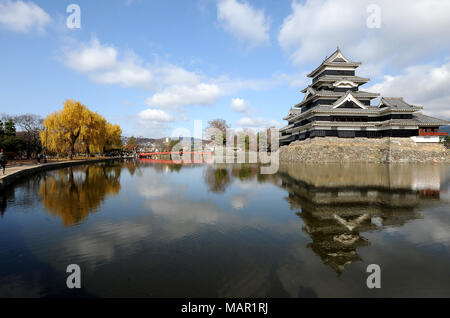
[10, 127]
[8, 138]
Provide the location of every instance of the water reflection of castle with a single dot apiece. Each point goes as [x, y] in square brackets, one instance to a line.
[338, 203]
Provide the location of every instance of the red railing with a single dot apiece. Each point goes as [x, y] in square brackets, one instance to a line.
[432, 133]
[173, 162]
[173, 152]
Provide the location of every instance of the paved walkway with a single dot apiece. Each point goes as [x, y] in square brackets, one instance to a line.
[20, 169]
[16, 168]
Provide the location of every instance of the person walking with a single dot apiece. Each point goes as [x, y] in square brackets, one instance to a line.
[39, 158]
[3, 160]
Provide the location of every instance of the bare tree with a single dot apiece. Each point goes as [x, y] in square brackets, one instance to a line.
[30, 126]
[214, 126]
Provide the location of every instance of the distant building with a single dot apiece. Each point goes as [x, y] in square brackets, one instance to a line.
[333, 106]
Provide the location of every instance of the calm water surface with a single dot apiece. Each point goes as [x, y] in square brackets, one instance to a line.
[165, 230]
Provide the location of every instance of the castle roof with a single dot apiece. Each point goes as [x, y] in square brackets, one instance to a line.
[332, 94]
[396, 102]
[335, 78]
[337, 59]
[424, 119]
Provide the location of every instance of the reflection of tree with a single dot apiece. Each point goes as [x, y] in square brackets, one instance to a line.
[175, 167]
[169, 166]
[335, 217]
[217, 178]
[5, 195]
[133, 166]
[26, 197]
[73, 193]
[245, 172]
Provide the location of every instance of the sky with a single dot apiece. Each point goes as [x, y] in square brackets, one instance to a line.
[155, 67]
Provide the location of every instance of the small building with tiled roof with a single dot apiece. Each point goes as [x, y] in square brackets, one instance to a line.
[334, 106]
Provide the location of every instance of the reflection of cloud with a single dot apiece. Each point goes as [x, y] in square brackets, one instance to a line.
[103, 241]
[433, 228]
[174, 220]
[238, 202]
[185, 211]
[247, 186]
[151, 189]
[153, 185]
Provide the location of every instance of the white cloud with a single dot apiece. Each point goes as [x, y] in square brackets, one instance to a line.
[175, 75]
[128, 73]
[155, 115]
[92, 57]
[258, 123]
[249, 25]
[410, 31]
[153, 129]
[174, 86]
[240, 105]
[101, 63]
[23, 16]
[425, 85]
[177, 96]
[153, 122]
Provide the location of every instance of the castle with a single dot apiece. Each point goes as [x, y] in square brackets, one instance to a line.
[333, 106]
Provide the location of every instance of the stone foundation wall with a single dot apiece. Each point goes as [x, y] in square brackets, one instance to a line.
[377, 150]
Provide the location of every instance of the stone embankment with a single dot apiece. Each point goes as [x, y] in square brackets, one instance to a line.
[15, 173]
[383, 150]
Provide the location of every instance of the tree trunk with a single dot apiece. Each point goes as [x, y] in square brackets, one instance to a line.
[73, 139]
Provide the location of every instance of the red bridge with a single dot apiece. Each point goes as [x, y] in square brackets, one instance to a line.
[147, 154]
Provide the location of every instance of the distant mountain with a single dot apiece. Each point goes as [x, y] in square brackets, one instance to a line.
[144, 140]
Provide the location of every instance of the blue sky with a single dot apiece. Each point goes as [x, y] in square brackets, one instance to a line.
[152, 66]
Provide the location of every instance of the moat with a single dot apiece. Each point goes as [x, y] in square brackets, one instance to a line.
[144, 229]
